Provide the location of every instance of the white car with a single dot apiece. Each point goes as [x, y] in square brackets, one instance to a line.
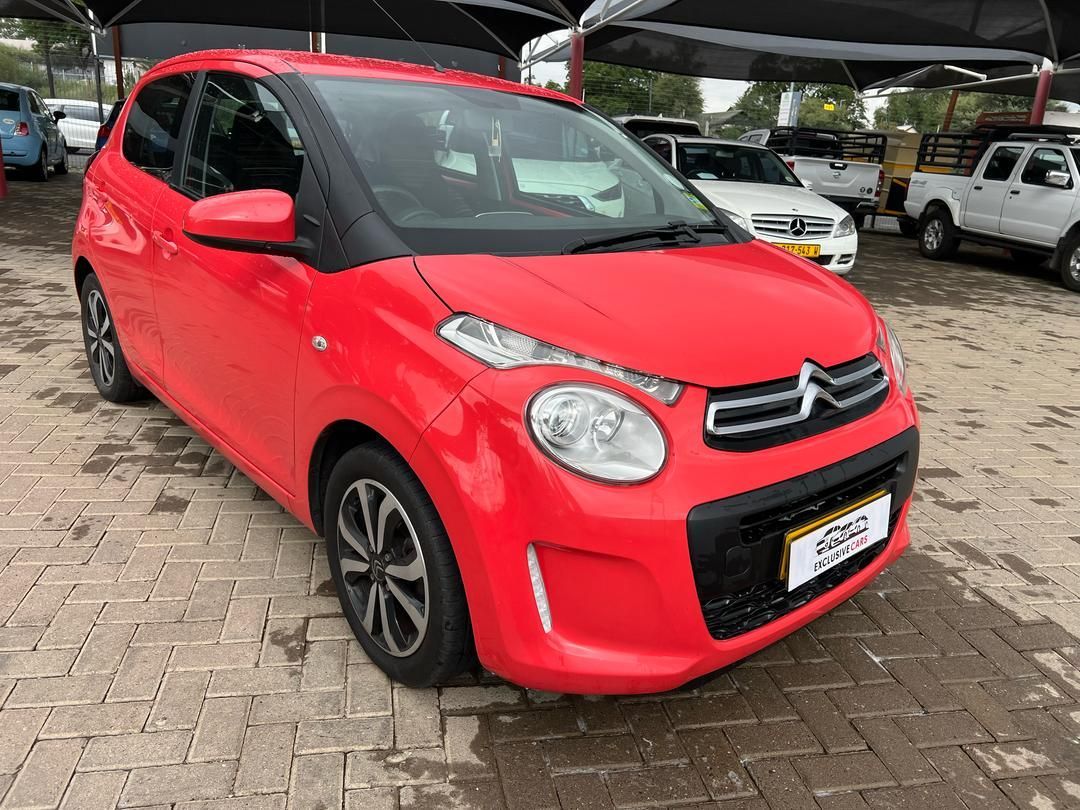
[754, 187]
[82, 122]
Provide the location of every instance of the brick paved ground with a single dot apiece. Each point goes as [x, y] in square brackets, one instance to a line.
[170, 637]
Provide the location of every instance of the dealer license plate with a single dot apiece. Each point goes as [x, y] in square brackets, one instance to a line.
[811, 550]
[809, 251]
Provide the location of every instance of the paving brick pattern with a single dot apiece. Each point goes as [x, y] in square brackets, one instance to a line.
[168, 637]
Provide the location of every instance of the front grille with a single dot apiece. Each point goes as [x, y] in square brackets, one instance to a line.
[788, 227]
[736, 544]
[754, 417]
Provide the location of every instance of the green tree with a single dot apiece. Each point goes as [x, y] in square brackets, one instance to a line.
[50, 40]
[760, 105]
[616, 89]
[925, 112]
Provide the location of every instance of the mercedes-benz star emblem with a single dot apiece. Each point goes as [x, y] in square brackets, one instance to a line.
[797, 227]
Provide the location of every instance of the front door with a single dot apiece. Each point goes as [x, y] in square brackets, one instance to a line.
[1035, 210]
[231, 321]
[46, 125]
[986, 194]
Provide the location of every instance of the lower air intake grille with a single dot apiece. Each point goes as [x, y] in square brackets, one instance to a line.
[737, 543]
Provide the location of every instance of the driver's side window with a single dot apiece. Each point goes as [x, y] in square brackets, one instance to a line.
[243, 140]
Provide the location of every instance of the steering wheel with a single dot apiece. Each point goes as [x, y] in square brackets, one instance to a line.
[402, 204]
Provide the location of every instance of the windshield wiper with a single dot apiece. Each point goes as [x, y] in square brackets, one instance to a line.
[676, 231]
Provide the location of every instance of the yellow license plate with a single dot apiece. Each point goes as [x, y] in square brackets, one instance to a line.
[808, 251]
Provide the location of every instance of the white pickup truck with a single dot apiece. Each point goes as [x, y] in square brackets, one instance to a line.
[843, 167]
[1019, 190]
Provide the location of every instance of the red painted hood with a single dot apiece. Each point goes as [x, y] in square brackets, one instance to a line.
[716, 316]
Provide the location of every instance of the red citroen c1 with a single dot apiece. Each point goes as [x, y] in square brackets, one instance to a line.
[546, 404]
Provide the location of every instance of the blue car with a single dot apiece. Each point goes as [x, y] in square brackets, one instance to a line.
[31, 140]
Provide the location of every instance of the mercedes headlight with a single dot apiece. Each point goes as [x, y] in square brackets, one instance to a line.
[845, 227]
[597, 433]
[887, 339]
[500, 347]
[738, 219]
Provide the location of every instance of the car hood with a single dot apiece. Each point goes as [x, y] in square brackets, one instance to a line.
[747, 199]
[712, 316]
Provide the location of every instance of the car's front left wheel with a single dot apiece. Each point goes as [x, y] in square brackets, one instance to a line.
[394, 569]
[108, 367]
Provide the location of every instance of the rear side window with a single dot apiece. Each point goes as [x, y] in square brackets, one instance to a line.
[82, 112]
[1002, 162]
[9, 101]
[153, 126]
[243, 140]
[37, 107]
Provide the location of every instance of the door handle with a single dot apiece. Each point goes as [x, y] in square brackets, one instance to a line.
[976, 188]
[167, 247]
[1015, 192]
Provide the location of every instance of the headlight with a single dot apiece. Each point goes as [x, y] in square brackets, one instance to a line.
[738, 219]
[500, 347]
[896, 353]
[845, 227]
[597, 433]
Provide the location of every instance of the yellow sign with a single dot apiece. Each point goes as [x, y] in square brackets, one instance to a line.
[809, 251]
[829, 106]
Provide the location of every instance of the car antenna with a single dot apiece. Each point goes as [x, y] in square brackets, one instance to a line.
[426, 52]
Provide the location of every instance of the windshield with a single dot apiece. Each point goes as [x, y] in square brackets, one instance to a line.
[742, 164]
[467, 170]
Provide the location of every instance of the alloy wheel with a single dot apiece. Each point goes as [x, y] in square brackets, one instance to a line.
[99, 327]
[383, 568]
[1074, 265]
[933, 234]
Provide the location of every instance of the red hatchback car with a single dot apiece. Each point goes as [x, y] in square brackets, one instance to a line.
[544, 402]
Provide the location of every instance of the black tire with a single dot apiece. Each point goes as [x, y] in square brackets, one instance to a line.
[444, 647]
[40, 172]
[1069, 263]
[1027, 258]
[62, 165]
[860, 221]
[937, 235]
[908, 227]
[108, 368]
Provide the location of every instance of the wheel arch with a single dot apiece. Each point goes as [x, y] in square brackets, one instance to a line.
[1059, 251]
[936, 204]
[83, 270]
[335, 440]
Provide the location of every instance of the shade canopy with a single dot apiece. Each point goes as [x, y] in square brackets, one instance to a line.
[1039, 28]
[54, 10]
[730, 55]
[496, 26]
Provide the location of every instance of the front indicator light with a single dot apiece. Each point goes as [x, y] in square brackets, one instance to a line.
[500, 347]
[539, 589]
[597, 433]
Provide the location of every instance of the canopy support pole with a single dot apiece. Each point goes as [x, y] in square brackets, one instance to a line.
[118, 62]
[947, 123]
[576, 84]
[1042, 94]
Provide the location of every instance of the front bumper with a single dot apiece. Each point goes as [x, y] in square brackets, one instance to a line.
[838, 253]
[626, 611]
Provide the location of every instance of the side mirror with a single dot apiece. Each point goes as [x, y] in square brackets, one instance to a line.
[259, 221]
[59, 115]
[1058, 179]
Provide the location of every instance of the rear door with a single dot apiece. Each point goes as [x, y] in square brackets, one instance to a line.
[1035, 210]
[987, 190]
[81, 125]
[125, 183]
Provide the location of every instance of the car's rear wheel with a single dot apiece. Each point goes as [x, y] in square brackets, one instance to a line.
[860, 221]
[40, 171]
[1070, 263]
[62, 164]
[394, 569]
[937, 236]
[108, 368]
